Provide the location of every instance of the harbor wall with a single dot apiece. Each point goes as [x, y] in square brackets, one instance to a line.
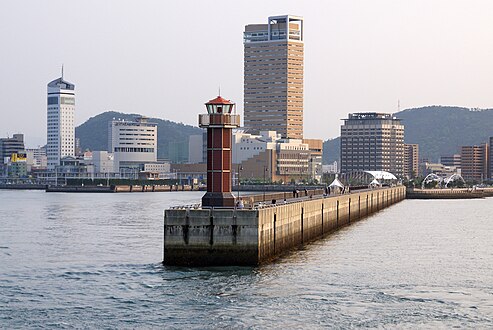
[249, 237]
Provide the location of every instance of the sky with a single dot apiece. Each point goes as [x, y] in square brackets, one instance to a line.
[166, 59]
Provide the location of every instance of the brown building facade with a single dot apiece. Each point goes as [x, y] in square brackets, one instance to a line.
[411, 160]
[273, 76]
[474, 163]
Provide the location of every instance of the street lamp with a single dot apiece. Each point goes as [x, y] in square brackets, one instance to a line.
[265, 171]
[240, 168]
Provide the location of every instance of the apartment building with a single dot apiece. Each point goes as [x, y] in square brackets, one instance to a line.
[411, 160]
[474, 163]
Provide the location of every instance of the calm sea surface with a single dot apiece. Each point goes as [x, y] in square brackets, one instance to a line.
[94, 261]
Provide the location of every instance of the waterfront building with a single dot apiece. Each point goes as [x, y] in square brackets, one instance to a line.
[15, 166]
[195, 149]
[36, 159]
[178, 152]
[273, 76]
[474, 163]
[189, 173]
[372, 142]
[132, 143]
[438, 169]
[330, 168]
[11, 145]
[315, 146]
[103, 162]
[268, 157]
[451, 160]
[491, 159]
[411, 160]
[60, 123]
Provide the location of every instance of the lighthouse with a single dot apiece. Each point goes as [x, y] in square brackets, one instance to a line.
[219, 121]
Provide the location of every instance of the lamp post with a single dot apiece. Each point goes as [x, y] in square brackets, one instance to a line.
[240, 168]
[265, 171]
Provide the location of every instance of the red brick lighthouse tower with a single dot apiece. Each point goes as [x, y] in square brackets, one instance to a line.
[219, 122]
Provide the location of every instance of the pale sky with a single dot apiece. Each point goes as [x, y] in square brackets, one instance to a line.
[165, 59]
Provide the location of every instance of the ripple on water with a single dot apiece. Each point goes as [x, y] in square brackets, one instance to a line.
[93, 261]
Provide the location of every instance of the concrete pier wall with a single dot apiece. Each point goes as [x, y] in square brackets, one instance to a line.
[208, 237]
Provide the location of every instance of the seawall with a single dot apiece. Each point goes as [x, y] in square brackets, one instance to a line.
[456, 193]
[249, 237]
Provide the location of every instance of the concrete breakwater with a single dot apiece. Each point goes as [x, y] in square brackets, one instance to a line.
[249, 237]
[456, 193]
[120, 188]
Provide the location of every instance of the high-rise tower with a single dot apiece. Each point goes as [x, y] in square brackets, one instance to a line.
[61, 131]
[273, 76]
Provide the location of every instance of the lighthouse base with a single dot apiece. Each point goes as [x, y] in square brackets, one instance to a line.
[218, 199]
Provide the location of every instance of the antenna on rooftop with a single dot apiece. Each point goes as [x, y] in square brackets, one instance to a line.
[219, 91]
[62, 71]
[398, 105]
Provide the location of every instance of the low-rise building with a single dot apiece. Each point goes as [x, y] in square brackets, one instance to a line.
[451, 160]
[269, 158]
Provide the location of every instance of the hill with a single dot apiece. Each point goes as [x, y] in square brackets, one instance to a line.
[438, 130]
[93, 134]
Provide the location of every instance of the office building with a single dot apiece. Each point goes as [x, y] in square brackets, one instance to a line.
[133, 143]
[411, 161]
[60, 129]
[490, 169]
[9, 146]
[196, 149]
[372, 142]
[178, 152]
[273, 76]
[474, 163]
[36, 159]
[103, 163]
[270, 157]
[315, 146]
[452, 160]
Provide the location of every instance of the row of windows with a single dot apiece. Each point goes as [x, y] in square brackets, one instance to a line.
[128, 149]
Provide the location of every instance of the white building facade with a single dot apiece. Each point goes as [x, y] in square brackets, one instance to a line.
[60, 123]
[132, 143]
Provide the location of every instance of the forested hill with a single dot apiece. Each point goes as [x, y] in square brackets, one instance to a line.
[438, 130]
[93, 134]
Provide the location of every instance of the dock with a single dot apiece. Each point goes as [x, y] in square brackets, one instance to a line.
[261, 232]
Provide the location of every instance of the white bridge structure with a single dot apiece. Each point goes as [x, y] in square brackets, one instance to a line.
[442, 182]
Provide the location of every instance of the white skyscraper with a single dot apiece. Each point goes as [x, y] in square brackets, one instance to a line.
[61, 131]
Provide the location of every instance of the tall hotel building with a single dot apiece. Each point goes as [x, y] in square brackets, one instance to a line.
[372, 142]
[273, 76]
[61, 131]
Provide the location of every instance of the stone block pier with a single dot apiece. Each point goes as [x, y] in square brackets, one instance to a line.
[249, 237]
